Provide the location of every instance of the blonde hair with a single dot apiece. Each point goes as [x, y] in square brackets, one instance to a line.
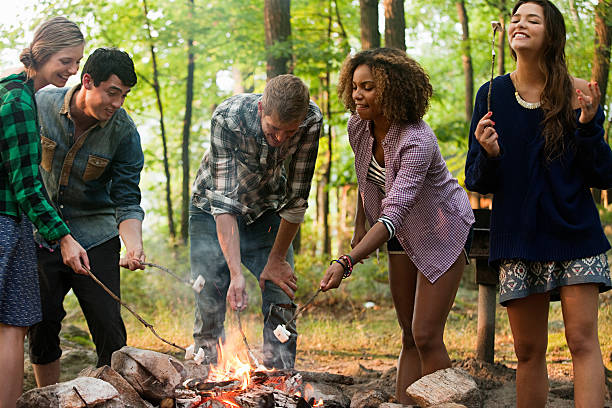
[49, 38]
[288, 96]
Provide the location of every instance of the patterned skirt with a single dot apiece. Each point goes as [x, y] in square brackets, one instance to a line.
[19, 290]
[519, 278]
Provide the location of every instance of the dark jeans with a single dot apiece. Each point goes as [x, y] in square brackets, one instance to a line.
[207, 259]
[103, 313]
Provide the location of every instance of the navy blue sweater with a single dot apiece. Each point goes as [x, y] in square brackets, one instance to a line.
[541, 211]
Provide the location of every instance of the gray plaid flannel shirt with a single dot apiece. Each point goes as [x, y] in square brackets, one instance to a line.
[241, 174]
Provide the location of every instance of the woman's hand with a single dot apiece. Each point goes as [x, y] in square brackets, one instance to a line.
[487, 136]
[588, 103]
[333, 277]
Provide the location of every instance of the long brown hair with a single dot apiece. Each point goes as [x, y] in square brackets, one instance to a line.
[559, 117]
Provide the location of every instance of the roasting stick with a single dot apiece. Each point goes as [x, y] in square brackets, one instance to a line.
[168, 271]
[495, 25]
[281, 332]
[246, 343]
[143, 321]
[197, 285]
[304, 306]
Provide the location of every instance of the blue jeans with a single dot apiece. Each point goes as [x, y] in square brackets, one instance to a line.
[256, 241]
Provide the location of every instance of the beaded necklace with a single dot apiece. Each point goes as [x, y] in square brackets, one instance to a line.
[521, 101]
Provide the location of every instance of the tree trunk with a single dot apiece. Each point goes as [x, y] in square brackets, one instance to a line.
[601, 65]
[186, 134]
[277, 21]
[395, 24]
[370, 36]
[156, 88]
[603, 42]
[466, 59]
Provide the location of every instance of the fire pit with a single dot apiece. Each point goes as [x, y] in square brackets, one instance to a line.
[233, 382]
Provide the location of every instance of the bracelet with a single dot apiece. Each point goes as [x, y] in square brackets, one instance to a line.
[349, 267]
[345, 267]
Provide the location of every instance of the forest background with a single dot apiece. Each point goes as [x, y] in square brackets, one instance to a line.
[190, 55]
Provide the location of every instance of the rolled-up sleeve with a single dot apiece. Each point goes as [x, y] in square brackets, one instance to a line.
[301, 170]
[126, 167]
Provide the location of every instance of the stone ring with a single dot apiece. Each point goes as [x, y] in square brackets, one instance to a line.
[589, 105]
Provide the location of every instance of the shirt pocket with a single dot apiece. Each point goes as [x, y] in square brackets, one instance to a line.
[95, 167]
[48, 151]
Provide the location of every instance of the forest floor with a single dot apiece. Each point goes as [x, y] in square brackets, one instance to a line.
[364, 344]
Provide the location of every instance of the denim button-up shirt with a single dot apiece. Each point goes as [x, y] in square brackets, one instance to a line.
[92, 181]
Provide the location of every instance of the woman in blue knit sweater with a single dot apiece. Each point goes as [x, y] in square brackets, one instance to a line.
[538, 150]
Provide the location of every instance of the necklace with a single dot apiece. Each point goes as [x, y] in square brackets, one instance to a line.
[521, 101]
[525, 104]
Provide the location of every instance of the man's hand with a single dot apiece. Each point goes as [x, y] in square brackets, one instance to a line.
[133, 259]
[74, 255]
[236, 293]
[280, 272]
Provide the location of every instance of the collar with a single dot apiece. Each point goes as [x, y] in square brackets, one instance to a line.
[65, 109]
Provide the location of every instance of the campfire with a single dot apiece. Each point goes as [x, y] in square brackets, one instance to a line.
[233, 382]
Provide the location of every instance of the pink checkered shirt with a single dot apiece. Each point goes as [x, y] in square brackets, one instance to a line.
[431, 213]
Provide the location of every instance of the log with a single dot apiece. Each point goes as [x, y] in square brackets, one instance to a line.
[317, 377]
[446, 386]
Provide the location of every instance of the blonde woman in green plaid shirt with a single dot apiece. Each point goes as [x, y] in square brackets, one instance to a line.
[52, 57]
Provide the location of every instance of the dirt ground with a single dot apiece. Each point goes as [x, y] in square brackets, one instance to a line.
[496, 381]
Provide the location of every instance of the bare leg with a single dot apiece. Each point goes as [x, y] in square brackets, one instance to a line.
[529, 323]
[402, 281]
[47, 374]
[432, 305]
[579, 305]
[11, 361]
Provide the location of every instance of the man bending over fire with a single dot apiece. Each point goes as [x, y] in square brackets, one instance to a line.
[250, 196]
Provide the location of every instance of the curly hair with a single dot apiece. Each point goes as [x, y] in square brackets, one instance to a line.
[559, 116]
[403, 87]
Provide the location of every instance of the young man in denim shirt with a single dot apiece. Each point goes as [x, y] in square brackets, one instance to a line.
[91, 163]
[250, 196]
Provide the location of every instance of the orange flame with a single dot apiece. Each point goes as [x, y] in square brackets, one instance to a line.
[230, 367]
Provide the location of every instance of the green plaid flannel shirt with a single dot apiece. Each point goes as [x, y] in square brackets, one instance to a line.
[21, 189]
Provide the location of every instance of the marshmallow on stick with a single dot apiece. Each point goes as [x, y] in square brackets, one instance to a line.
[281, 333]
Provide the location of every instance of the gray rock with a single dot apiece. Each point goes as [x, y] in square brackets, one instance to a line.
[153, 375]
[127, 394]
[78, 393]
[445, 386]
[369, 399]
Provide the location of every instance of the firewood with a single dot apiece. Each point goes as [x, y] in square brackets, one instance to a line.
[313, 376]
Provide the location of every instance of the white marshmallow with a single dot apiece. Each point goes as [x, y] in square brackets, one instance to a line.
[199, 284]
[189, 352]
[281, 333]
[199, 357]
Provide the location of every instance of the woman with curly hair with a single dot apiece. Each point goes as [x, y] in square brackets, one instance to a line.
[52, 57]
[410, 200]
[538, 150]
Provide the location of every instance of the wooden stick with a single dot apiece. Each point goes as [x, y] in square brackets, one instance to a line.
[304, 306]
[495, 25]
[168, 271]
[246, 343]
[143, 321]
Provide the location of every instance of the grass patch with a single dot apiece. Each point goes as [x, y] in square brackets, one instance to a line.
[338, 326]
